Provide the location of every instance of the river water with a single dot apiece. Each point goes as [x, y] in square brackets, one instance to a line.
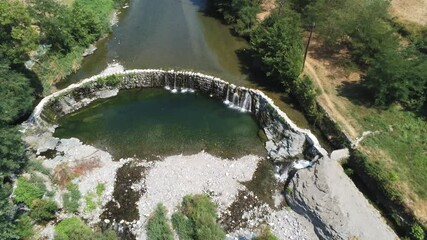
[176, 34]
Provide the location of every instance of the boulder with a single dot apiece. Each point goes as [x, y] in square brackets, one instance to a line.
[326, 196]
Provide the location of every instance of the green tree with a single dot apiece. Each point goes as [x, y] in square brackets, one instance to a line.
[277, 42]
[157, 225]
[16, 93]
[199, 212]
[17, 36]
[396, 78]
[12, 152]
[7, 225]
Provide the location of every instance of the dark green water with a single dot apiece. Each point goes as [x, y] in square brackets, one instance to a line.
[154, 122]
[167, 34]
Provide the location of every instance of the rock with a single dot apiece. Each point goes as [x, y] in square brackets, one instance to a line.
[340, 155]
[107, 221]
[90, 50]
[338, 210]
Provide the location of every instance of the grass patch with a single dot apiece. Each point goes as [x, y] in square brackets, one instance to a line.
[157, 225]
[55, 66]
[90, 203]
[403, 136]
[71, 198]
[100, 188]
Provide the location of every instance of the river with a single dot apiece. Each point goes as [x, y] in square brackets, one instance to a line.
[177, 34]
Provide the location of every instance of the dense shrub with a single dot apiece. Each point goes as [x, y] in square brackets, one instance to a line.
[199, 212]
[183, 226]
[75, 229]
[24, 227]
[28, 191]
[16, 95]
[417, 232]
[12, 152]
[157, 225]
[43, 210]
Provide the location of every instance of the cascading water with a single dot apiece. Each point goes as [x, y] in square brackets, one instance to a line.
[247, 103]
[236, 102]
[174, 90]
[226, 101]
[167, 83]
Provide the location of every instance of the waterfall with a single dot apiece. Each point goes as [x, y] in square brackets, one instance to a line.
[228, 94]
[174, 90]
[183, 88]
[236, 102]
[247, 103]
[167, 83]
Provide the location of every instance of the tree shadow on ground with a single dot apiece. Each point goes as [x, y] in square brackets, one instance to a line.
[356, 93]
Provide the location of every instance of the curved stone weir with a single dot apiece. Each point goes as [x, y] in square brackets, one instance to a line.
[286, 143]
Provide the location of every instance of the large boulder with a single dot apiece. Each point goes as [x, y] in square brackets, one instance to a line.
[338, 210]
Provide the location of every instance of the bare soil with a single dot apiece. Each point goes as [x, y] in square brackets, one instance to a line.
[266, 7]
[413, 11]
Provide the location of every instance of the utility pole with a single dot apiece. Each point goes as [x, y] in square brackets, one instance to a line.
[308, 44]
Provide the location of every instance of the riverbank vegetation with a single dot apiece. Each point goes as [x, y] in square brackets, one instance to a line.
[41, 41]
[393, 86]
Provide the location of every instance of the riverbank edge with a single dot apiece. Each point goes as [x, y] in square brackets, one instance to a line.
[70, 62]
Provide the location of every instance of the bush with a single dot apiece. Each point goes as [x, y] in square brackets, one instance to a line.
[199, 212]
[72, 229]
[12, 152]
[24, 227]
[71, 198]
[183, 226]
[157, 225]
[75, 229]
[417, 232]
[43, 210]
[27, 192]
[16, 95]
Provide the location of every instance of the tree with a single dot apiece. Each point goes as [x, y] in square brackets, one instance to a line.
[277, 42]
[17, 95]
[396, 78]
[17, 36]
[157, 225]
[12, 152]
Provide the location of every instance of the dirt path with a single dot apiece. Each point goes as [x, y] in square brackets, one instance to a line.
[324, 98]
